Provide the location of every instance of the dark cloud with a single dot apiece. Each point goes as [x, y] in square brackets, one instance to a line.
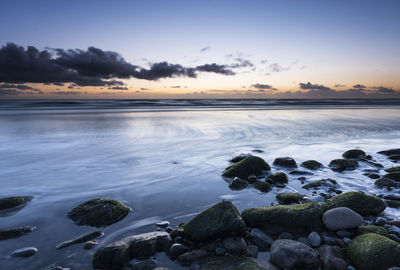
[241, 62]
[118, 88]
[16, 89]
[66, 93]
[215, 68]
[340, 85]
[263, 86]
[144, 89]
[275, 67]
[176, 86]
[310, 86]
[359, 86]
[205, 49]
[384, 90]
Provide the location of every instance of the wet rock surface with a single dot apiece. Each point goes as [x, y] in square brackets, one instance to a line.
[250, 165]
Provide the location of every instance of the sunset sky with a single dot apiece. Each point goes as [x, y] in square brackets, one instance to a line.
[200, 49]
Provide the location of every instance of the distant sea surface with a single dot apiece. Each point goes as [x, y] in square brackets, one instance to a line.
[164, 159]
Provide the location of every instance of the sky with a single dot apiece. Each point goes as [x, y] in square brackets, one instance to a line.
[200, 49]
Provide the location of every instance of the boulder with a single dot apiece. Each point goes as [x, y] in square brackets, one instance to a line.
[221, 220]
[341, 218]
[359, 202]
[14, 202]
[340, 165]
[394, 158]
[393, 175]
[320, 183]
[289, 198]
[390, 152]
[290, 254]
[235, 245]
[239, 158]
[178, 249]
[311, 165]
[238, 184]
[15, 232]
[149, 264]
[237, 263]
[98, 212]
[354, 154]
[373, 252]
[262, 186]
[298, 218]
[192, 256]
[393, 169]
[261, 240]
[247, 166]
[385, 182]
[286, 162]
[279, 177]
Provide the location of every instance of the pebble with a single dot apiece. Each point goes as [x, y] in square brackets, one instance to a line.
[252, 251]
[394, 237]
[90, 244]
[178, 240]
[178, 249]
[285, 235]
[343, 233]
[145, 265]
[235, 245]
[394, 223]
[346, 240]
[380, 221]
[328, 240]
[219, 251]
[339, 264]
[341, 218]
[238, 184]
[395, 230]
[304, 240]
[261, 240]
[24, 252]
[162, 224]
[350, 268]
[314, 239]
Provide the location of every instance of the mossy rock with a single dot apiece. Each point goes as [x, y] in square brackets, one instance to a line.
[372, 229]
[14, 202]
[289, 198]
[221, 220]
[286, 162]
[262, 186]
[312, 165]
[340, 165]
[15, 232]
[373, 252]
[237, 263]
[359, 202]
[354, 154]
[393, 169]
[395, 176]
[98, 212]
[279, 177]
[320, 183]
[394, 158]
[247, 166]
[298, 218]
[372, 163]
[390, 152]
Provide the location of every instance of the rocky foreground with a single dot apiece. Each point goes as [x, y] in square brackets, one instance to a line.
[333, 231]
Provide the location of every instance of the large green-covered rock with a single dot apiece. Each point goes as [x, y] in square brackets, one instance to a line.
[373, 252]
[278, 177]
[299, 218]
[393, 169]
[312, 164]
[98, 212]
[14, 202]
[354, 154]
[289, 198]
[237, 263]
[359, 202]
[340, 165]
[247, 166]
[221, 220]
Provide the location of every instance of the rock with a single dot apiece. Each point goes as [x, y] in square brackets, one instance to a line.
[346, 240]
[219, 251]
[354, 154]
[260, 239]
[314, 239]
[235, 245]
[340, 165]
[328, 240]
[236, 263]
[286, 162]
[178, 249]
[341, 218]
[239, 158]
[343, 233]
[394, 237]
[290, 254]
[251, 165]
[338, 263]
[373, 252]
[279, 177]
[390, 152]
[372, 229]
[90, 244]
[238, 184]
[393, 175]
[359, 202]
[350, 268]
[98, 212]
[191, 256]
[221, 220]
[80, 239]
[303, 240]
[392, 203]
[393, 169]
[262, 186]
[298, 218]
[141, 246]
[384, 182]
[380, 221]
[394, 223]
[372, 163]
[327, 253]
[24, 252]
[15, 232]
[394, 158]
[320, 183]
[286, 235]
[395, 230]
[300, 172]
[145, 265]
[312, 165]
[14, 202]
[289, 198]
[252, 179]
[372, 175]
[252, 251]
[162, 224]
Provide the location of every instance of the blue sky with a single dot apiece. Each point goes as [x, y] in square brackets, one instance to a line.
[323, 42]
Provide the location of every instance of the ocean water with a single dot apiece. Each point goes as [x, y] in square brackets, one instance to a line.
[164, 159]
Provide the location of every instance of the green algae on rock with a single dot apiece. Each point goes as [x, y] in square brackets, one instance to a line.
[98, 212]
[354, 154]
[359, 202]
[262, 186]
[15, 232]
[393, 169]
[251, 165]
[239, 263]
[289, 198]
[286, 162]
[221, 220]
[372, 229]
[395, 176]
[312, 165]
[278, 177]
[373, 252]
[340, 165]
[320, 183]
[13, 202]
[298, 218]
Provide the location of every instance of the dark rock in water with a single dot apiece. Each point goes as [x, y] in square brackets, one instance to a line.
[354, 154]
[238, 184]
[394, 176]
[341, 218]
[373, 252]
[262, 186]
[390, 152]
[386, 182]
[178, 249]
[289, 198]
[372, 175]
[145, 265]
[298, 218]
[90, 244]
[80, 239]
[286, 162]
[380, 221]
[394, 158]
[258, 151]
[392, 203]
[221, 220]
[372, 229]
[24, 252]
[299, 172]
[320, 183]
[162, 224]
[15, 232]
[235, 245]
[312, 165]
[261, 240]
[372, 163]
[116, 255]
[192, 256]
[359, 202]
[252, 179]
[236, 263]
[14, 202]
[279, 177]
[340, 165]
[98, 212]
[239, 158]
[393, 169]
[290, 254]
[251, 165]
[395, 197]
